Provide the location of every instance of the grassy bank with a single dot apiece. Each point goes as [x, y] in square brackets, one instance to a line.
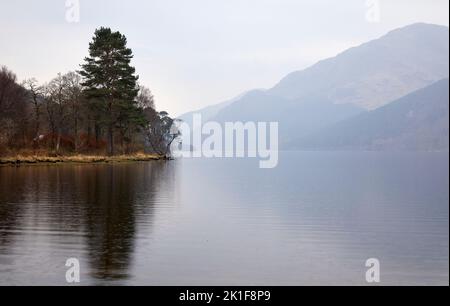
[75, 159]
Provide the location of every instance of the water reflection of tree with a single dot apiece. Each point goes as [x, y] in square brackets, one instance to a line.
[99, 206]
[12, 188]
[114, 196]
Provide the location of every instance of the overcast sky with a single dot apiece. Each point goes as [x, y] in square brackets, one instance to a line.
[193, 53]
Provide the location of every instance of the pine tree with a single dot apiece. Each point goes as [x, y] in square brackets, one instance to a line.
[111, 83]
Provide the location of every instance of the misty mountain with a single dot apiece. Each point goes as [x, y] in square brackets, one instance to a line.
[354, 82]
[376, 72]
[209, 112]
[295, 117]
[418, 121]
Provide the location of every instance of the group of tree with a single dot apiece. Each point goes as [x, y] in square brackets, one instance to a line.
[99, 109]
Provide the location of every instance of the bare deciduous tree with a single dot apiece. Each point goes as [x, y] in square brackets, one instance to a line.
[35, 93]
[12, 108]
[145, 98]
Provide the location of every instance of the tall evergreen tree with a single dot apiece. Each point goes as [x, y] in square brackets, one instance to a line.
[111, 83]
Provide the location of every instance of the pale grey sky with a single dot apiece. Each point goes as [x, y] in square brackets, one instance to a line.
[200, 52]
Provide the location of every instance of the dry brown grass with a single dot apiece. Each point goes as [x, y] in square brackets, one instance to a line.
[79, 159]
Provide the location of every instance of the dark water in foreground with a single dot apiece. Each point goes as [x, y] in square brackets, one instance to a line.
[315, 219]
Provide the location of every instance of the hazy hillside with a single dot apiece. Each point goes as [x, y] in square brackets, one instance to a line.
[358, 80]
[377, 72]
[418, 121]
[208, 113]
[295, 117]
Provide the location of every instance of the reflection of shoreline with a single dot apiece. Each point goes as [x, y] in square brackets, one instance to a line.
[91, 212]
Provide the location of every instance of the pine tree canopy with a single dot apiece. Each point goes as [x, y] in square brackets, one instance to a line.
[111, 82]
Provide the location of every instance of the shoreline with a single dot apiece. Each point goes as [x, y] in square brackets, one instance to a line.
[20, 160]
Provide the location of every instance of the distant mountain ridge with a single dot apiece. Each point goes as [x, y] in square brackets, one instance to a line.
[209, 112]
[295, 117]
[357, 81]
[418, 121]
[376, 72]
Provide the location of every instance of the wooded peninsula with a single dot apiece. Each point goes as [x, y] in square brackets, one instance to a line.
[99, 113]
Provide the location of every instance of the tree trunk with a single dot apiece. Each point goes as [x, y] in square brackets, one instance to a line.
[75, 138]
[37, 121]
[58, 143]
[110, 141]
[97, 135]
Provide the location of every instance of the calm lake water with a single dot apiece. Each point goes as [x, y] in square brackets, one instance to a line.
[314, 220]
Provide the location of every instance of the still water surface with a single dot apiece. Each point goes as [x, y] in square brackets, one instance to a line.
[315, 219]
